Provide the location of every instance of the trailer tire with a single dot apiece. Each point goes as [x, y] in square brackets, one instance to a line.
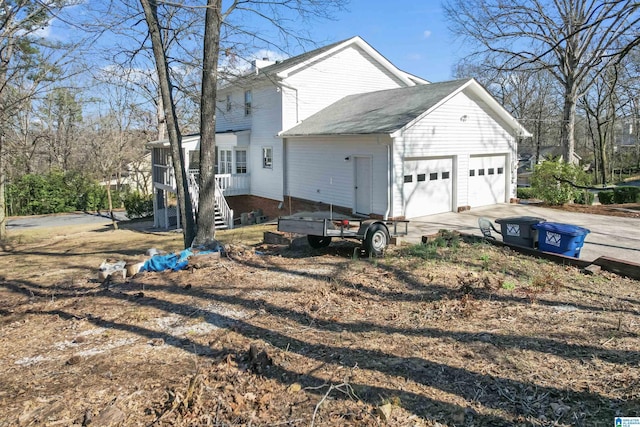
[376, 240]
[319, 242]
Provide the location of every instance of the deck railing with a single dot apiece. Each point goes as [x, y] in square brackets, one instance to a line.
[221, 203]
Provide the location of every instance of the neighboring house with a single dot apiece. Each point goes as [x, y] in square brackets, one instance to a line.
[136, 176]
[546, 153]
[342, 126]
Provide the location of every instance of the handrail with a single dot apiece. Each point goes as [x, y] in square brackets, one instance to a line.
[221, 202]
[194, 191]
[223, 206]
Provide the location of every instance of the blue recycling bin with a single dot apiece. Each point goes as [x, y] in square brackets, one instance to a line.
[564, 239]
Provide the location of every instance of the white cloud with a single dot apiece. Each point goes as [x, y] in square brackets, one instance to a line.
[414, 56]
[427, 34]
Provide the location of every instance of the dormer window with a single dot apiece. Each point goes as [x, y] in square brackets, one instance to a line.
[247, 102]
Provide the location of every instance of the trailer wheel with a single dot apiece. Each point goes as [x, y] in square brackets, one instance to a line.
[318, 242]
[376, 240]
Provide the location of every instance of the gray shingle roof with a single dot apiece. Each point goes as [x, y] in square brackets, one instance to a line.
[379, 112]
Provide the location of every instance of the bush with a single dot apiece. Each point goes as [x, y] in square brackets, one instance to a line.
[584, 197]
[525, 193]
[626, 195]
[605, 197]
[54, 192]
[553, 191]
[138, 205]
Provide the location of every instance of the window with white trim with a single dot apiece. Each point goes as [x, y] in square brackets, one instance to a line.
[247, 102]
[267, 157]
[241, 161]
[225, 161]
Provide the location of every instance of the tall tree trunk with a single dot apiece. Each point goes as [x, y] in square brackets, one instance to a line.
[568, 123]
[150, 8]
[207, 200]
[110, 203]
[3, 207]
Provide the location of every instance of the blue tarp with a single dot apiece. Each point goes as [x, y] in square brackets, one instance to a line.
[175, 262]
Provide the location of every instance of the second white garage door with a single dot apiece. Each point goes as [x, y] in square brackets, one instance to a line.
[487, 180]
[428, 186]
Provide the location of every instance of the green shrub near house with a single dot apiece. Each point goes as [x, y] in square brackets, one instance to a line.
[626, 195]
[525, 193]
[606, 197]
[552, 181]
[138, 205]
[584, 197]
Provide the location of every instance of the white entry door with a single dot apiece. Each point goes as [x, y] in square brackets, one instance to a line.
[428, 186]
[363, 185]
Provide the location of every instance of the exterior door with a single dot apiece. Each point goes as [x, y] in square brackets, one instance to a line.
[363, 185]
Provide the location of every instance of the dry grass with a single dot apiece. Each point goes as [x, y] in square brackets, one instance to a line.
[451, 334]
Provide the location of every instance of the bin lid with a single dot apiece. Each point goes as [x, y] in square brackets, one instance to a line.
[526, 220]
[567, 229]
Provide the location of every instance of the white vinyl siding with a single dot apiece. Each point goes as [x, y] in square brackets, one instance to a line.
[266, 114]
[234, 118]
[446, 133]
[348, 71]
[323, 170]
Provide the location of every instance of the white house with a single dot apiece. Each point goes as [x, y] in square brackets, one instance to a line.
[342, 126]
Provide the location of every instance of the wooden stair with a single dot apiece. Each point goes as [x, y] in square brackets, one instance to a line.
[219, 220]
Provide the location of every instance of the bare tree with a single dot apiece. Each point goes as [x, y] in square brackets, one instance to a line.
[150, 8]
[228, 25]
[207, 201]
[279, 16]
[574, 40]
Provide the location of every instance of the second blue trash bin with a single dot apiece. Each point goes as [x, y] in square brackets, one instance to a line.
[565, 239]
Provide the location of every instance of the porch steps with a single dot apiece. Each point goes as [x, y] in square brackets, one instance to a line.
[219, 220]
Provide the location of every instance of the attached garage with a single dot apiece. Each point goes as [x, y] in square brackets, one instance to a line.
[408, 152]
[428, 186]
[487, 180]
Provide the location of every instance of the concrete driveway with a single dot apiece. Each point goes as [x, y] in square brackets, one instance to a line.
[610, 236]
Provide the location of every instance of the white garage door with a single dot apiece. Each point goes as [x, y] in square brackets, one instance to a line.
[428, 186]
[487, 180]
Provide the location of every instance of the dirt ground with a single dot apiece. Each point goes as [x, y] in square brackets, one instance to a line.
[630, 210]
[445, 334]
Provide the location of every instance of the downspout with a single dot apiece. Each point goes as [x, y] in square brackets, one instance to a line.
[389, 180]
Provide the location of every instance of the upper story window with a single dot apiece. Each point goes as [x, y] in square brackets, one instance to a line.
[247, 102]
[267, 157]
[228, 104]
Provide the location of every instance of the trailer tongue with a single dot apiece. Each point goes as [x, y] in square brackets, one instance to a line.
[374, 234]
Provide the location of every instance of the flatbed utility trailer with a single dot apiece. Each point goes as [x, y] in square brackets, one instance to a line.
[374, 233]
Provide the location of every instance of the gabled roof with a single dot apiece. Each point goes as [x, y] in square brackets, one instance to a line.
[388, 111]
[282, 69]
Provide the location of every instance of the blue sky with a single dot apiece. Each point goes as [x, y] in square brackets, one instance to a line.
[411, 34]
